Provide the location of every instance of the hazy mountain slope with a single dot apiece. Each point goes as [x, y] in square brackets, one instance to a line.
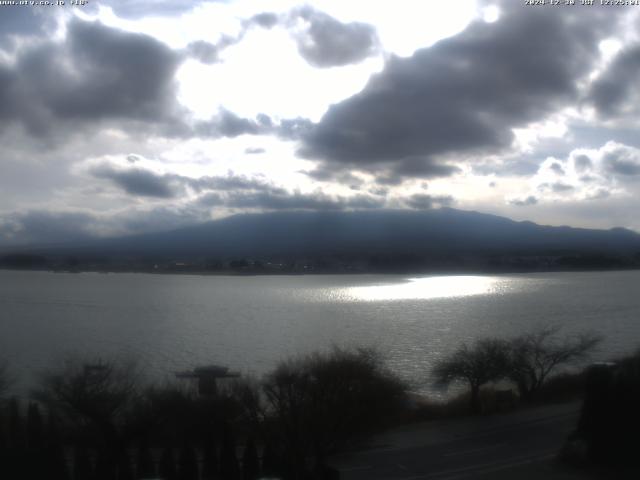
[370, 232]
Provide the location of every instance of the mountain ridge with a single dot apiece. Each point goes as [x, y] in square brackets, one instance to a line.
[436, 231]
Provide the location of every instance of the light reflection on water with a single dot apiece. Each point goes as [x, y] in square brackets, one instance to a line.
[426, 288]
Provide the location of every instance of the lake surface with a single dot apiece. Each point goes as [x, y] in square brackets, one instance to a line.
[173, 322]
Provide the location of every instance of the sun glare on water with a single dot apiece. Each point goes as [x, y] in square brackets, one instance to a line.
[427, 288]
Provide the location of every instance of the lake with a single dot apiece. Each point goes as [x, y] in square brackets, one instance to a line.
[249, 323]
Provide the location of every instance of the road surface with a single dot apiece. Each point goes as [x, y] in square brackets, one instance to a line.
[514, 445]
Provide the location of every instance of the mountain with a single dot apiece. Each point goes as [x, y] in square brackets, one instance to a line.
[383, 238]
[381, 231]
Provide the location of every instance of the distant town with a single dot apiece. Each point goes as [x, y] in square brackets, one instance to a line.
[336, 264]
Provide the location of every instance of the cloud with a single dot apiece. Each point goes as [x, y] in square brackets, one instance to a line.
[623, 161]
[300, 201]
[421, 201]
[582, 163]
[327, 175]
[204, 52]
[325, 42]
[97, 73]
[613, 170]
[555, 187]
[321, 40]
[265, 20]
[144, 182]
[227, 124]
[461, 96]
[229, 191]
[233, 182]
[51, 226]
[149, 8]
[22, 22]
[254, 150]
[104, 77]
[44, 226]
[523, 202]
[614, 92]
[139, 181]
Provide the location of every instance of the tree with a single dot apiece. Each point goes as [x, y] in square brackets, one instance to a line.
[535, 355]
[485, 361]
[97, 397]
[320, 402]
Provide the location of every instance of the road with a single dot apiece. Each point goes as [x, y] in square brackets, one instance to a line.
[514, 445]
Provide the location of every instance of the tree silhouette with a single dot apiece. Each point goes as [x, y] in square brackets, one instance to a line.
[487, 360]
[535, 355]
[96, 397]
[322, 402]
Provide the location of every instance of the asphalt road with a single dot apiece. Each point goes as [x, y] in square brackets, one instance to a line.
[495, 446]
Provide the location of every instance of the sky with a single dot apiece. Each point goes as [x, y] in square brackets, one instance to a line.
[123, 117]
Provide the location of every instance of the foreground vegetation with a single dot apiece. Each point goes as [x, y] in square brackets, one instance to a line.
[103, 422]
[95, 420]
[527, 361]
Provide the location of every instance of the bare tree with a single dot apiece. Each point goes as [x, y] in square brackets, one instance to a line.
[535, 355]
[96, 396]
[320, 402]
[484, 362]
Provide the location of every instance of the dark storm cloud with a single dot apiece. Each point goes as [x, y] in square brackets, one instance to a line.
[463, 94]
[97, 73]
[530, 200]
[615, 91]
[421, 201]
[326, 42]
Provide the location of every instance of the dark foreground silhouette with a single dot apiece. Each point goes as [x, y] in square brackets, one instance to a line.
[101, 421]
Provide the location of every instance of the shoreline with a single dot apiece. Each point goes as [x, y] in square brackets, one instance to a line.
[282, 273]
